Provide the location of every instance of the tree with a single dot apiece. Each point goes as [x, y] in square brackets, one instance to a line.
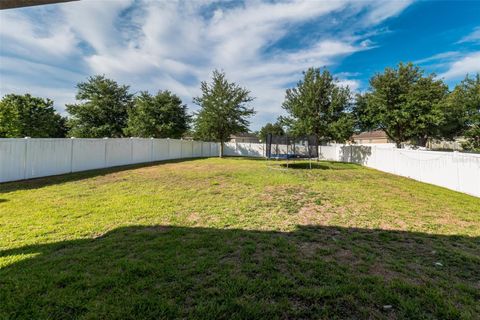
[102, 111]
[424, 103]
[404, 104]
[271, 128]
[223, 110]
[28, 116]
[462, 108]
[159, 116]
[319, 106]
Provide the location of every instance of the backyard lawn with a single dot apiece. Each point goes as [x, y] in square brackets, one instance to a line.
[233, 238]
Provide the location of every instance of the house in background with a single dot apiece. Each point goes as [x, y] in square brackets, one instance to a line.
[377, 136]
[244, 138]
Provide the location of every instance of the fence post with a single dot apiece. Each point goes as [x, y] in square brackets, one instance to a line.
[25, 161]
[131, 150]
[106, 142]
[168, 148]
[151, 149]
[71, 153]
[455, 160]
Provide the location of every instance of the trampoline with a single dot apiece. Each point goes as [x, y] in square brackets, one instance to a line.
[287, 148]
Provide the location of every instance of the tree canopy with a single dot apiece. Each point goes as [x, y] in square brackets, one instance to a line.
[403, 103]
[160, 116]
[319, 105]
[224, 110]
[102, 110]
[271, 128]
[28, 116]
[463, 110]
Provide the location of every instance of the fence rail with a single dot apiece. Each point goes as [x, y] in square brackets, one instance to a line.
[452, 170]
[32, 158]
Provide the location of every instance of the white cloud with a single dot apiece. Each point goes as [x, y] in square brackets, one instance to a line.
[381, 10]
[439, 57]
[472, 37]
[20, 36]
[174, 45]
[468, 64]
[353, 85]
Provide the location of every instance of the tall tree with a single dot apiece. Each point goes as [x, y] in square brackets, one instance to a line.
[424, 103]
[319, 106]
[28, 116]
[102, 111]
[463, 112]
[271, 128]
[223, 110]
[403, 103]
[159, 116]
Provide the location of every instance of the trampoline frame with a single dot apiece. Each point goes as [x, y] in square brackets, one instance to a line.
[310, 143]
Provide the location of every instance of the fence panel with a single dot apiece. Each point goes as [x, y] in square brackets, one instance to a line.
[88, 154]
[206, 152]
[197, 148]
[160, 149]
[186, 149]
[119, 152]
[214, 149]
[174, 149]
[32, 158]
[12, 159]
[47, 157]
[141, 150]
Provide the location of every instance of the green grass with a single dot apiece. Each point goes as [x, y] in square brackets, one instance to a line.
[233, 238]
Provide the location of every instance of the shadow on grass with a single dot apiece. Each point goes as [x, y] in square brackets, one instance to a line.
[76, 176]
[154, 272]
[244, 158]
[322, 165]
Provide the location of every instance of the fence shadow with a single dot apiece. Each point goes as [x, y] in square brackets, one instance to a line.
[355, 154]
[322, 165]
[41, 182]
[152, 272]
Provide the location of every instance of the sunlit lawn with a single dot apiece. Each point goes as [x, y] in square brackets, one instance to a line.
[233, 238]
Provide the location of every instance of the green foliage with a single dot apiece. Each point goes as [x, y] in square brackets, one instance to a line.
[102, 111]
[223, 110]
[403, 103]
[159, 116]
[424, 102]
[318, 105]
[27, 116]
[273, 128]
[463, 112]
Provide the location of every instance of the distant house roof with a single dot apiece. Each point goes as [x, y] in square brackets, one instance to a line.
[377, 134]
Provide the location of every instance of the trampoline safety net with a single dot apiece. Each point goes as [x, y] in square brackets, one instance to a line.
[288, 147]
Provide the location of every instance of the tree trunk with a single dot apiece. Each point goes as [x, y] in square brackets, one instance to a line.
[422, 141]
[221, 150]
[399, 144]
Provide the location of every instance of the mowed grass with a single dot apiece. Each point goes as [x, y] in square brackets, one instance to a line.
[234, 239]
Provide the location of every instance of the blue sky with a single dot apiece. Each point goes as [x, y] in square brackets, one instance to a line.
[262, 45]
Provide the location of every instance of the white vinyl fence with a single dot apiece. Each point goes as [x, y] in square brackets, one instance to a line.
[452, 170]
[32, 158]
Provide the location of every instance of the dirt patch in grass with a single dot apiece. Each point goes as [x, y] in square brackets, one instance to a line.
[194, 218]
[313, 214]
